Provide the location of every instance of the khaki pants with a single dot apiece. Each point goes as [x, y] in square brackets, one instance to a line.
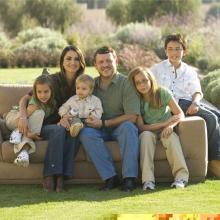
[174, 155]
[35, 122]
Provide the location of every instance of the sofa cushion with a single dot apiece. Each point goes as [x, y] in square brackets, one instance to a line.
[8, 154]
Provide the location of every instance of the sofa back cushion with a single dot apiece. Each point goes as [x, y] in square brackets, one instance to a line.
[10, 95]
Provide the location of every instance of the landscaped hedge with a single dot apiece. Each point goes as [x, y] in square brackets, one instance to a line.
[211, 87]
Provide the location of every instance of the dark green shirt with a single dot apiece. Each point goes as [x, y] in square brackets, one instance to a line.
[119, 98]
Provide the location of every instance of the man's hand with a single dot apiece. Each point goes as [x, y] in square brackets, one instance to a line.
[166, 131]
[23, 125]
[193, 109]
[93, 122]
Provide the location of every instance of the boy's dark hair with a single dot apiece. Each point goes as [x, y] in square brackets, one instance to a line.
[175, 37]
[104, 50]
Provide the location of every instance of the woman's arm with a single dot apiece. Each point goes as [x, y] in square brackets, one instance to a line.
[22, 121]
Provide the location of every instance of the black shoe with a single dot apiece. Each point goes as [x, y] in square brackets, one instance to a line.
[111, 183]
[129, 184]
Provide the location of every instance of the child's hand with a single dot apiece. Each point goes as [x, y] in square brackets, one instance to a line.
[174, 118]
[166, 131]
[193, 109]
[34, 136]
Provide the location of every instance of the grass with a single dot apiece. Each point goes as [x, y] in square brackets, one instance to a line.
[27, 75]
[86, 202]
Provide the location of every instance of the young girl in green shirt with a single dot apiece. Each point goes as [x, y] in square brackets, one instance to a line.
[40, 107]
[159, 115]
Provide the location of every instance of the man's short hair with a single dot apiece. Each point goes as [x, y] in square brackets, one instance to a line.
[104, 50]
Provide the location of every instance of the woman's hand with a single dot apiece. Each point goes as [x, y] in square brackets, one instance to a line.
[23, 125]
[65, 121]
[34, 136]
[93, 122]
[166, 131]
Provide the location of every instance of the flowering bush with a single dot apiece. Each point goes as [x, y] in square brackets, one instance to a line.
[139, 33]
[131, 56]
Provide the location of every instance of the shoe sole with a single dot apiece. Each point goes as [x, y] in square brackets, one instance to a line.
[74, 130]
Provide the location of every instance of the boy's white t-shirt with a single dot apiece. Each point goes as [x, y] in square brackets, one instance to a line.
[183, 83]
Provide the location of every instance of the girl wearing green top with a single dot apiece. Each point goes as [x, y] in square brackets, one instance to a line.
[40, 107]
[159, 115]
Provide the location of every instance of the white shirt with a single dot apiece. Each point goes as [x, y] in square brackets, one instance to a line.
[82, 108]
[183, 82]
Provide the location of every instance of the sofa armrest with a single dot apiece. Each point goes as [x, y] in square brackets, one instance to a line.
[193, 137]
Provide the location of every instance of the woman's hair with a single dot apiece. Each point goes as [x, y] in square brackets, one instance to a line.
[79, 53]
[86, 79]
[44, 79]
[154, 93]
[175, 37]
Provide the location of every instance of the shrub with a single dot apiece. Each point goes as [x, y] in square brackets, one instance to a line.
[195, 48]
[131, 56]
[40, 52]
[37, 32]
[139, 33]
[211, 87]
[214, 11]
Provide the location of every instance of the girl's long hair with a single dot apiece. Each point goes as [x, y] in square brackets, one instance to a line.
[44, 79]
[154, 93]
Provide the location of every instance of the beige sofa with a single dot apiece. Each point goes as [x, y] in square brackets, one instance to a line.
[192, 132]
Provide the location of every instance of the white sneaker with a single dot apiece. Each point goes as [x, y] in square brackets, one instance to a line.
[15, 137]
[179, 184]
[22, 159]
[149, 185]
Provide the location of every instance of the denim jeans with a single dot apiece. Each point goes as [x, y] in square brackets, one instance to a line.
[126, 134]
[61, 151]
[212, 124]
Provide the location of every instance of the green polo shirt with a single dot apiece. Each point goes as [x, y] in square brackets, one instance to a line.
[153, 115]
[119, 98]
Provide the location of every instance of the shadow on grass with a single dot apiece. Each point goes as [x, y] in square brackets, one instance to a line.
[18, 195]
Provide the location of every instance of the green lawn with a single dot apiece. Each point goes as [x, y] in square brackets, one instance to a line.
[86, 202]
[27, 75]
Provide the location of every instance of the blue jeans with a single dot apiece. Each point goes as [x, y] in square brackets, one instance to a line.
[61, 151]
[126, 134]
[212, 124]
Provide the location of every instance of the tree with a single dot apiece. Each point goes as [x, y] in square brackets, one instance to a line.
[53, 15]
[117, 11]
[11, 12]
[57, 15]
[141, 10]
